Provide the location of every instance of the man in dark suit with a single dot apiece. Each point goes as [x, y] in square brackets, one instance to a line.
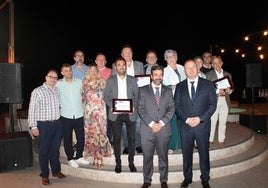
[155, 125]
[194, 107]
[122, 86]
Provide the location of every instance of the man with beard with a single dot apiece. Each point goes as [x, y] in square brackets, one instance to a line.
[156, 108]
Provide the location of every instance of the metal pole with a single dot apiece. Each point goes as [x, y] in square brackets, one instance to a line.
[11, 44]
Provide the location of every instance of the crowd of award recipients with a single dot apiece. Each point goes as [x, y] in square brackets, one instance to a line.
[147, 108]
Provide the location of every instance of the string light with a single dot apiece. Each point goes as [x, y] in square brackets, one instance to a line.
[258, 39]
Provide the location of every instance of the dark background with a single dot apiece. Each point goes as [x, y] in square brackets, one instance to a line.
[48, 32]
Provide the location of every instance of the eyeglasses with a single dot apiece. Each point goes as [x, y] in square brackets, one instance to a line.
[53, 77]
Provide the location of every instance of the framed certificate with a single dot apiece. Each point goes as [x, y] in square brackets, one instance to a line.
[223, 83]
[143, 80]
[123, 105]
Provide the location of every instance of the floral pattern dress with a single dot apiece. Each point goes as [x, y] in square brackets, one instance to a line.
[95, 118]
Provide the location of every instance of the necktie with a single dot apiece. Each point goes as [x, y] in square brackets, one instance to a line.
[157, 96]
[192, 90]
[178, 74]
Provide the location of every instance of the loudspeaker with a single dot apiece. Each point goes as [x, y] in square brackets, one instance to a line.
[15, 151]
[253, 75]
[10, 83]
[257, 123]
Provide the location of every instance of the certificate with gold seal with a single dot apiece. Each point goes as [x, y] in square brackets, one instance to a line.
[122, 105]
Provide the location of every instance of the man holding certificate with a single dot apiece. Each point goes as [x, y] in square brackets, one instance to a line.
[120, 94]
[224, 87]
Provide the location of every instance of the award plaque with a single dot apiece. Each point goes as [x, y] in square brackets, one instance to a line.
[122, 105]
[143, 80]
[223, 83]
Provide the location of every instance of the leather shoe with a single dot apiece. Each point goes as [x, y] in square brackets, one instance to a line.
[185, 183]
[45, 181]
[138, 149]
[59, 175]
[118, 169]
[125, 151]
[132, 168]
[205, 184]
[222, 144]
[146, 185]
[164, 185]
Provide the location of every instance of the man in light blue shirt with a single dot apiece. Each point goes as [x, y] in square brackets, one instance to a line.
[79, 68]
[71, 111]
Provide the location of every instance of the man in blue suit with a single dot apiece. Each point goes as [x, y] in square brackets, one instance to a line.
[155, 125]
[122, 86]
[195, 102]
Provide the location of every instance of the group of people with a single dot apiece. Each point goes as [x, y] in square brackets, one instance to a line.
[178, 109]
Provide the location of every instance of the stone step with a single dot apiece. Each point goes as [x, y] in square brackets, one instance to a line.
[245, 150]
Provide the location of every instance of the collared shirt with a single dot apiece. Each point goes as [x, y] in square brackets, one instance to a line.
[122, 87]
[44, 105]
[219, 75]
[77, 73]
[190, 85]
[160, 86]
[70, 98]
[130, 70]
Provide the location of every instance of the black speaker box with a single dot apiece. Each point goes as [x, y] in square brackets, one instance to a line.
[253, 75]
[258, 123]
[11, 83]
[15, 151]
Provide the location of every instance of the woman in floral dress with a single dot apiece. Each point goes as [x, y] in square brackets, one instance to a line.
[97, 143]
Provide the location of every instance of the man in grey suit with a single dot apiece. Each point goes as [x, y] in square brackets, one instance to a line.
[134, 68]
[155, 125]
[122, 86]
[195, 102]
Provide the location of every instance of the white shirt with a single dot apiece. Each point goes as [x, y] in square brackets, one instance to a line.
[122, 87]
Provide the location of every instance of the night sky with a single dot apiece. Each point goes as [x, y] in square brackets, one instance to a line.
[48, 32]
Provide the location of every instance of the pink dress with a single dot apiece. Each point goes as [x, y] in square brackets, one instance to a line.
[95, 118]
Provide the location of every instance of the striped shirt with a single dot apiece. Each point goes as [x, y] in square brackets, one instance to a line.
[44, 105]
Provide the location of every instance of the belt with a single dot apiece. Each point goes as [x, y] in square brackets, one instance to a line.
[51, 121]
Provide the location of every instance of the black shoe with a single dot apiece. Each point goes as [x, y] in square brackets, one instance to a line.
[118, 169]
[125, 151]
[205, 184]
[138, 149]
[185, 183]
[146, 185]
[164, 185]
[132, 168]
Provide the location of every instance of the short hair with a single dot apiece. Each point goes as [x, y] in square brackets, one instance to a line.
[156, 67]
[120, 59]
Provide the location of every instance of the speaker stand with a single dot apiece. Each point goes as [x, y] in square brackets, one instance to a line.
[13, 118]
[252, 101]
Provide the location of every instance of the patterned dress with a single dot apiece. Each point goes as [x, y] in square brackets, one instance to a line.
[95, 118]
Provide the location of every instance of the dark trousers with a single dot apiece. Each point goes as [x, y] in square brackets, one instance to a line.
[117, 132]
[199, 133]
[68, 125]
[49, 140]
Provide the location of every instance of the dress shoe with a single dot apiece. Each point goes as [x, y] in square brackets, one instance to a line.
[185, 183]
[222, 144]
[210, 145]
[125, 151]
[45, 181]
[205, 184]
[59, 175]
[164, 185]
[118, 169]
[146, 185]
[132, 168]
[138, 149]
